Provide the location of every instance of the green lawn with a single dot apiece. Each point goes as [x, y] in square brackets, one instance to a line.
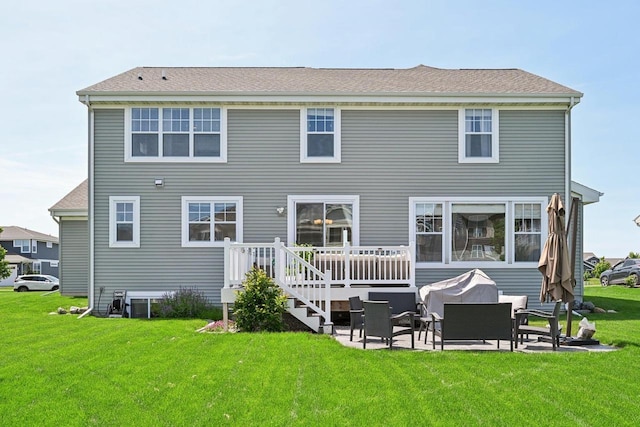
[58, 370]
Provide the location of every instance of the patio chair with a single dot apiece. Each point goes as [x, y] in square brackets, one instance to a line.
[552, 330]
[379, 322]
[425, 322]
[355, 316]
[518, 302]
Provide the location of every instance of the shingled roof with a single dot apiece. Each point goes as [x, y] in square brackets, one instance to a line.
[420, 80]
[76, 201]
[11, 232]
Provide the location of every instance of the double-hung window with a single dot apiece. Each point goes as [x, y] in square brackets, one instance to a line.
[429, 232]
[24, 245]
[478, 135]
[175, 134]
[320, 135]
[527, 231]
[124, 221]
[207, 221]
[471, 232]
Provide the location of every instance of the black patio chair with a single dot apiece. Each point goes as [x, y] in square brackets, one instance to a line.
[379, 322]
[552, 330]
[356, 312]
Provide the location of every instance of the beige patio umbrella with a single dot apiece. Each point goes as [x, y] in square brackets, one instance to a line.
[554, 263]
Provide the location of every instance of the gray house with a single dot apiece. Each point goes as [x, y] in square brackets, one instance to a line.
[396, 177]
[71, 215]
[29, 251]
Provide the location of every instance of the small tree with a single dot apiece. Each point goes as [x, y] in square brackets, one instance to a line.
[261, 305]
[634, 255]
[4, 264]
[601, 266]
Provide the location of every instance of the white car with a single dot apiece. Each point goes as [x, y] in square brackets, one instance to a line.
[36, 282]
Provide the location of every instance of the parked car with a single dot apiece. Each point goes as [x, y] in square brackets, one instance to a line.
[619, 273]
[36, 282]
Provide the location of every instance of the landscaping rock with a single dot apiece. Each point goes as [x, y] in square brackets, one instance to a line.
[62, 310]
[77, 310]
[599, 310]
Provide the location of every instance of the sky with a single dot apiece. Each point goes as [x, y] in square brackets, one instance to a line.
[51, 49]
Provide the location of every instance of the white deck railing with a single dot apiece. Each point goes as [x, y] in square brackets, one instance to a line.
[308, 273]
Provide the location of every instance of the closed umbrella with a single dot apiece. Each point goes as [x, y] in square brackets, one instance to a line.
[554, 261]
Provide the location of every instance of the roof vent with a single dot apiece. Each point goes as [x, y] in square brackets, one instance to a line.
[164, 76]
[139, 76]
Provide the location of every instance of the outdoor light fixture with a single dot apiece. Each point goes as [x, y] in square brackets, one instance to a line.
[280, 210]
[159, 182]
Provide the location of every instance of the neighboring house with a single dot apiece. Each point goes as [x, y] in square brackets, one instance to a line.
[436, 171]
[29, 251]
[71, 215]
[590, 257]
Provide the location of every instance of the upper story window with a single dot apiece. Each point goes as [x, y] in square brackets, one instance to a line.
[124, 221]
[476, 232]
[478, 135]
[49, 245]
[207, 221]
[320, 136]
[24, 245]
[175, 135]
[34, 246]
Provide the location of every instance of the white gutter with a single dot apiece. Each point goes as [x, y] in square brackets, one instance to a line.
[90, 130]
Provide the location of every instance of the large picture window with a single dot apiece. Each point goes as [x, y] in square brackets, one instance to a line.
[207, 221]
[175, 135]
[322, 220]
[477, 232]
[320, 135]
[478, 135]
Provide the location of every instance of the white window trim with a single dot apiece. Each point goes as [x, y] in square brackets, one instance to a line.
[18, 244]
[113, 242]
[37, 270]
[291, 213]
[337, 145]
[128, 158]
[238, 200]
[34, 246]
[495, 138]
[509, 202]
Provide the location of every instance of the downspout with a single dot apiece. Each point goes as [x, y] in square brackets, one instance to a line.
[567, 147]
[90, 131]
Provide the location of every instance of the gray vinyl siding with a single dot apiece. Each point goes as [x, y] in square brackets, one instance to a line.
[387, 157]
[74, 257]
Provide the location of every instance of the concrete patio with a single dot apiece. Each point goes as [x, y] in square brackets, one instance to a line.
[403, 342]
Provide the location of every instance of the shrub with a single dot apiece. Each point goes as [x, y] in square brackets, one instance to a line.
[601, 266]
[631, 280]
[186, 303]
[261, 305]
